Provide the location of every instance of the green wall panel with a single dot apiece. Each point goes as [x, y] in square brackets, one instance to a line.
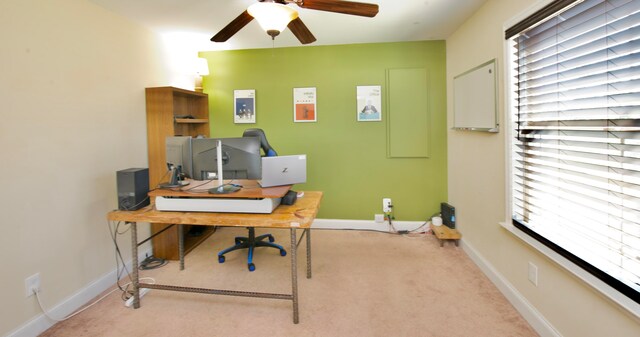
[346, 159]
[408, 117]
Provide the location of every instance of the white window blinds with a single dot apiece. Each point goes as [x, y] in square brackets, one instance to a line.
[576, 145]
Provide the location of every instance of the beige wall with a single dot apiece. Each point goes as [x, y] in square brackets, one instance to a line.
[72, 113]
[477, 184]
[72, 108]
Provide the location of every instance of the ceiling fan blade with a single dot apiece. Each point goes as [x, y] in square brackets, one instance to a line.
[300, 30]
[344, 7]
[233, 27]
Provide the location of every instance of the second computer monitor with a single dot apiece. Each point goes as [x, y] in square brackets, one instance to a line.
[240, 158]
[178, 151]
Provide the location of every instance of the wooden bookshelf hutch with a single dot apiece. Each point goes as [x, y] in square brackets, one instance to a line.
[173, 112]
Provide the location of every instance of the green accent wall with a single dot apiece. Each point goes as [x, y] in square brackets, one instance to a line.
[346, 159]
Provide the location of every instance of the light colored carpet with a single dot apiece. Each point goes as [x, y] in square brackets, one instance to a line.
[363, 284]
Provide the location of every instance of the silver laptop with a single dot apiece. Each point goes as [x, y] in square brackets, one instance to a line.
[284, 170]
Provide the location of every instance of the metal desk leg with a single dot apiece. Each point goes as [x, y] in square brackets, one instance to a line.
[134, 265]
[294, 275]
[308, 230]
[181, 246]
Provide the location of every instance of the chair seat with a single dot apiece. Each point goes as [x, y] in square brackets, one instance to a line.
[250, 243]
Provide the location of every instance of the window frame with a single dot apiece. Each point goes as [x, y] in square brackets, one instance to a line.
[530, 237]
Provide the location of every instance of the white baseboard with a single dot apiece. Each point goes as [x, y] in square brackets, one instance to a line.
[365, 225]
[528, 311]
[40, 323]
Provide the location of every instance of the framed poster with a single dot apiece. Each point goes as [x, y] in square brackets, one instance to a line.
[369, 103]
[244, 106]
[304, 105]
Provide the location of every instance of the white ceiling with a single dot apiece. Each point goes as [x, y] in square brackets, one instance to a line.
[199, 20]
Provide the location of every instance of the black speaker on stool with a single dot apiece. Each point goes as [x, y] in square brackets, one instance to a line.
[133, 186]
[448, 214]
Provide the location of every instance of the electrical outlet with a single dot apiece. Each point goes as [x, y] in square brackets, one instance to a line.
[32, 283]
[386, 205]
[379, 218]
[533, 274]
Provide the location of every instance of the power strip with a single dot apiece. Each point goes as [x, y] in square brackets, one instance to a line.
[128, 303]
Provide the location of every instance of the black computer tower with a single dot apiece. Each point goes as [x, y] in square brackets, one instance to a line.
[133, 186]
[448, 214]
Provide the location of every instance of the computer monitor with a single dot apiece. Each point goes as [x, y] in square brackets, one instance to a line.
[178, 151]
[240, 158]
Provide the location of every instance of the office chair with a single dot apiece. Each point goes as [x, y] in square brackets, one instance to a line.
[264, 144]
[251, 241]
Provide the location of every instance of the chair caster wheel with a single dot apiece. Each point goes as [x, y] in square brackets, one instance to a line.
[283, 252]
[252, 267]
[271, 239]
[221, 259]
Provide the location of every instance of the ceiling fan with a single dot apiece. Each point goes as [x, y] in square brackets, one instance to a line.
[275, 15]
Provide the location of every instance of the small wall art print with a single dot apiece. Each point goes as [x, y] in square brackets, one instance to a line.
[244, 106]
[369, 103]
[304, 105]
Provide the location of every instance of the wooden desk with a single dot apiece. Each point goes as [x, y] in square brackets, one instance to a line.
[165, 246]
[297, 216]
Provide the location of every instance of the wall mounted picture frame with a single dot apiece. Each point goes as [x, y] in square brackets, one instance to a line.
[304, 105]
[369, 103]
[244, 106]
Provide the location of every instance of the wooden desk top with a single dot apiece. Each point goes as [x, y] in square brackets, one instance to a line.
[299, 215]
[200, 189]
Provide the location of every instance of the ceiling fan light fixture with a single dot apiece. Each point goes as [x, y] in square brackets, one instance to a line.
[272, 17]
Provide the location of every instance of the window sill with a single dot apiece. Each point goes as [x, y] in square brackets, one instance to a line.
[626, 303]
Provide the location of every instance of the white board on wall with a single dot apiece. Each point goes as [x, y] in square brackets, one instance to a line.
[474, 99]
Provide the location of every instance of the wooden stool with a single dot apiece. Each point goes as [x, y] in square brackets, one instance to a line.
[443, 233]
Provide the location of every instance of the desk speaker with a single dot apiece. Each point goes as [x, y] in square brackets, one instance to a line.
[133, 186]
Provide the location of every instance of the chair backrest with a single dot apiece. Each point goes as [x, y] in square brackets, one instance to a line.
[268, 150]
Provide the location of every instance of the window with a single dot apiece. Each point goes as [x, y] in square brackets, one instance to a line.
[575, 165]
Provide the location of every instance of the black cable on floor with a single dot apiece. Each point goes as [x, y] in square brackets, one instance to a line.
[152, 262]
